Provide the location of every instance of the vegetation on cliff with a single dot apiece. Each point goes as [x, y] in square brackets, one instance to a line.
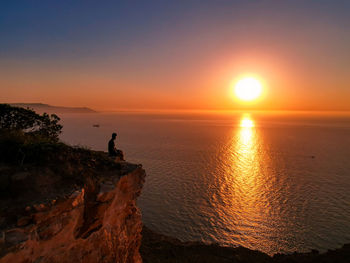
[26, 135]
[35, 165]
[60, 203]
[28, 121]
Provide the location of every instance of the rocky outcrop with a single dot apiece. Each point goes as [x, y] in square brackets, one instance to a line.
[96, 222]
[158, 248]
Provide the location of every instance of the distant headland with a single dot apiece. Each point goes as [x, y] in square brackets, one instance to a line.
[41, 107]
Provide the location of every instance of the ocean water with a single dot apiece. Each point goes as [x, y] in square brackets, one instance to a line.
[276, 182]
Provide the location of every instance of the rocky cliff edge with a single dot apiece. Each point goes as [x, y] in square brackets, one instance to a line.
[77, 206]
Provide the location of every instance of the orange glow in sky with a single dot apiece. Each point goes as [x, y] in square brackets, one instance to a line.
[178, 56]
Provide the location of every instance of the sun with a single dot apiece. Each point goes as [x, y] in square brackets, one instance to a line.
[248, 89]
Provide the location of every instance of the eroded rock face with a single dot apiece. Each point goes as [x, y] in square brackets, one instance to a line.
[98, 223]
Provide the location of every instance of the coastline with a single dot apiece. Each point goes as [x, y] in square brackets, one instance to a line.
[159, 248]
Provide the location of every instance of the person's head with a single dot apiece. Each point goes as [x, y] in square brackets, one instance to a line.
[114, 135]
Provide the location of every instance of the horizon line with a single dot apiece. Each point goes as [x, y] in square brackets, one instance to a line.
[184, 109]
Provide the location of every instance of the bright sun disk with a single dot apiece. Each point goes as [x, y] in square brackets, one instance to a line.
[248, 89]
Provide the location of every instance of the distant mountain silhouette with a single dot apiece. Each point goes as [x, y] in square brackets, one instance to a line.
[40, 107]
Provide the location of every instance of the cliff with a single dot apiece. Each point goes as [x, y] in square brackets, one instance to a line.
[78, 206]
[64, 204]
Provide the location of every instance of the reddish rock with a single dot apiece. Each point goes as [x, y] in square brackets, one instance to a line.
[15, 236]
[39, 207]
[23, 221]
[83, 229]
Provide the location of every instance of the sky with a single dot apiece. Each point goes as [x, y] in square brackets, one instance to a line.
[111, 55]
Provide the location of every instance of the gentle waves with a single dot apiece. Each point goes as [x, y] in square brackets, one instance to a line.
[272, 182]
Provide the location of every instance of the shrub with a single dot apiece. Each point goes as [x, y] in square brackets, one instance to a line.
[24, 134]
[29, 122]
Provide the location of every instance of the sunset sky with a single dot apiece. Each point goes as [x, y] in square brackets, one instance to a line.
[111, 55]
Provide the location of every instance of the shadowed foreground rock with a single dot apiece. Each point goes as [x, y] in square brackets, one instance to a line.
[156, 248]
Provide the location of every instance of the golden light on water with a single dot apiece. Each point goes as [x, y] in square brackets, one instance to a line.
[246, 147]
[246, 122]
[244, 160]
[242, 183]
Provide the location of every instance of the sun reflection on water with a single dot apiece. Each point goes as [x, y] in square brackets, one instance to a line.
[246, 148]
[243, 182]
[246, 122]
[246, 138]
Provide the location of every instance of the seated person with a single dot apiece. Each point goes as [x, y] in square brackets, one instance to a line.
[112, 150]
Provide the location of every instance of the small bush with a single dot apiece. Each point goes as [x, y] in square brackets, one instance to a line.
[29, 122]
[26, 135]
[18, 147]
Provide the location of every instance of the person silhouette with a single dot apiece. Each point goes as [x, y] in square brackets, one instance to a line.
[112, 150]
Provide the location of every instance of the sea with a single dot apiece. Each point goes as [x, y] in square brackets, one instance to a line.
[277, 182]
